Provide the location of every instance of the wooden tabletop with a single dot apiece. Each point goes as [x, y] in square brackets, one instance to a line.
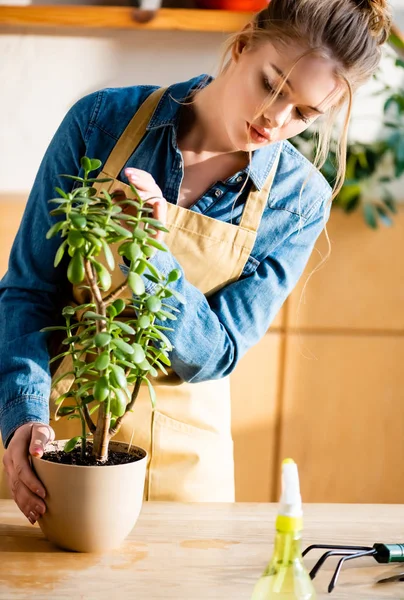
[194, 552]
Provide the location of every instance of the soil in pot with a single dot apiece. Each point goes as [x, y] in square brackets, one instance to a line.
[74, 457]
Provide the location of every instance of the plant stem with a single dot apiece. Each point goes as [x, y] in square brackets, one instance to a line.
[114, 430]
[97, 297]
[113, 295]
[88, 419]
[101, 433]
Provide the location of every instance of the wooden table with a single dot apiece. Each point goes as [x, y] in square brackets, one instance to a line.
[194, 552]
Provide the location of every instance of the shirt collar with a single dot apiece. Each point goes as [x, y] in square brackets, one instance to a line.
[167, 113]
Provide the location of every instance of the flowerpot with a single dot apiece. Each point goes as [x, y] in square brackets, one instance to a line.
[236, 5]
[91, 508]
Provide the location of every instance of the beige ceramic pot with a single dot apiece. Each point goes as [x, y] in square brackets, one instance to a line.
[91, 509]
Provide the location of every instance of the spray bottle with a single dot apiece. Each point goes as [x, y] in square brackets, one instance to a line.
[286, 577]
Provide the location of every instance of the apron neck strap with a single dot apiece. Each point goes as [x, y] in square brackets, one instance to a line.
[132, 135]
[257, 200]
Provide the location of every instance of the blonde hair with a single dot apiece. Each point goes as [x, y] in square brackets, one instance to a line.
[349, 32]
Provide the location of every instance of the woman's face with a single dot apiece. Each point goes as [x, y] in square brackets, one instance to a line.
[251, 80]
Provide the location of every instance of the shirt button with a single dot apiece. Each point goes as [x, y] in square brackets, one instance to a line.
[239, 179]
[218, 193]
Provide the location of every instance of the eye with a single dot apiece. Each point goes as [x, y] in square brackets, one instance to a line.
[269, 87]
[302, 117]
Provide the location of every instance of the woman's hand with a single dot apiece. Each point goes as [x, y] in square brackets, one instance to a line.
[149, 191]
[28, 492]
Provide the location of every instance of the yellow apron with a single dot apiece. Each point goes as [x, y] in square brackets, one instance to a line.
[188, 435]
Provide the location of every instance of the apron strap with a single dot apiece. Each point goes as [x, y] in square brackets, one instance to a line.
[134, 132]
[132, 135]
[257, 199]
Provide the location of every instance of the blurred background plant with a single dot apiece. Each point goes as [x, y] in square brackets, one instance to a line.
[372, 167]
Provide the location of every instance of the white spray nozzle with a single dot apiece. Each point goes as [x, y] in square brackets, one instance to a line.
[291, 500]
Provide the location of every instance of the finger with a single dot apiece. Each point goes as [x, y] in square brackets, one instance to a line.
[160, 213]
[28, 503]
[140, 176]
[40, 436]
[143, 182]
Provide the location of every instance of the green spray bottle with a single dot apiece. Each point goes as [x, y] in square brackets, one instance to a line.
[286, 577]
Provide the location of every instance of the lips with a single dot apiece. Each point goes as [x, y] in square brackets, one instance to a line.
[262, 132]
[259, 135]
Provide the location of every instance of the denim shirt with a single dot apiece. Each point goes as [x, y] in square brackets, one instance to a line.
[211, 334]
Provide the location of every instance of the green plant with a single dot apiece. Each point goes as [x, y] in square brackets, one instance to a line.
[109, 353]
[371, 167]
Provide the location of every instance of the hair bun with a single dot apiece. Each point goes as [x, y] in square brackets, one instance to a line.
[379, 17]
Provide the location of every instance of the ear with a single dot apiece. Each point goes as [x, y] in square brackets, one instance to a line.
[241, 43]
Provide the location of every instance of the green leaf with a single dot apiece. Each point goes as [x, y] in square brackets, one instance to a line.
[164, 359]
[153, 269]
[70, 340]
[153, 304]
[104, 275]
[123, 346]
[139, 233]
[61, 398]
[138, 354]
[75, 270]
[383, 216]
[101, 389]
[120, 230]
[103, 361]
[152, 393]
[152, 278]
[118, 403]
[164, 313]
[119, 305]
[118, 378]
[143, 322]
[95, 164]
[75, 238]
[71, 444]
[72, 177]
[174, 275]
[59, 254]
[55, 229]
[136, 284]
[109, 257]
[90, 314]
[111, 311]
[125, 327]
[53, 328]
[102, 339]
[66, 410]
[149, 252]
[144, 365]
[133, 251]
[61, 192]
[156, 244]
[79, 221]
[369, 214]
[161, 367]
[86, 163]
[154, 223]
[178, 296]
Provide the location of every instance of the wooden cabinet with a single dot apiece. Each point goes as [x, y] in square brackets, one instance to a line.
[340, 362]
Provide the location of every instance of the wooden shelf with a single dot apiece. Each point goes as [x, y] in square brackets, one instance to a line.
[122, 17]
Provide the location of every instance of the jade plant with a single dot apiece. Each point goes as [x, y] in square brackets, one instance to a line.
[111, 353]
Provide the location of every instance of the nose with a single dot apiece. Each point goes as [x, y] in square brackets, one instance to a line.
[278, 114]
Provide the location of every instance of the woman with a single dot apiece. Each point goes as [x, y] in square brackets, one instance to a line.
[244, 210]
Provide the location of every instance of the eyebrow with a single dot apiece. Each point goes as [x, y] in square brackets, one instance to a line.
[287, 81]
